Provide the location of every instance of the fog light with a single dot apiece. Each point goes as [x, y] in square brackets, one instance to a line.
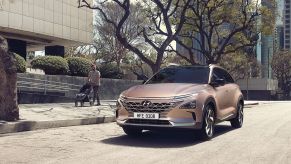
[189, 105]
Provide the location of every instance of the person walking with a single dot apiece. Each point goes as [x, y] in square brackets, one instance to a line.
[94, 80]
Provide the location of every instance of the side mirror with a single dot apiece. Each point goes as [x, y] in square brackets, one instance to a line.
[217, 82]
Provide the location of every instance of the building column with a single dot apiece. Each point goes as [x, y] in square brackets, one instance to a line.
[17, 46]
[55, 50]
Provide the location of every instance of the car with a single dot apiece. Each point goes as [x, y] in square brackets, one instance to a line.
[183, 97]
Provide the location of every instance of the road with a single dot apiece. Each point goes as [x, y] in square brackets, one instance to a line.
[264, 138]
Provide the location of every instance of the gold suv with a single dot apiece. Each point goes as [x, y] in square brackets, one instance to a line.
[187, 97]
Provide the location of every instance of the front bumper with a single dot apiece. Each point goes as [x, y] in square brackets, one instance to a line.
[171, 118]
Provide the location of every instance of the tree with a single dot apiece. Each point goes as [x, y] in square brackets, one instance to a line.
[8, 75]
[86, 51]
[159, 14]
[281, 66]
[112, 50]
[221, 27]
[240, 65]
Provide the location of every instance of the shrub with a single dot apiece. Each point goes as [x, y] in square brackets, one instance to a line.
[51, 65]
[79, 66]
[20, 63]
[110, 70]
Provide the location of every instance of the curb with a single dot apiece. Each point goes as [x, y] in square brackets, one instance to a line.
[250, 104]
[21, 126]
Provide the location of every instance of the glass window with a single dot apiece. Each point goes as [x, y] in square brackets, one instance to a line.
[190, 74]
[221, 74]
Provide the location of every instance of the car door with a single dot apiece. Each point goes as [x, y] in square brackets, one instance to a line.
[221, 94]
[231, 89]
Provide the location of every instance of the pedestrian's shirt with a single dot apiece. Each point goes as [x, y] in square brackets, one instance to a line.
[94, 78]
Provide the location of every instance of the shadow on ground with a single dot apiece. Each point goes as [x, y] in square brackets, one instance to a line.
[164, 139]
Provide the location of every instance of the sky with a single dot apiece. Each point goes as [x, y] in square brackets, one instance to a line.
[280, 10]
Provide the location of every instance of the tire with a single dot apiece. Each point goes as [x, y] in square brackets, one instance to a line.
[76, 103]
[207, 130]
[237, 122]
[133, 132]
[91, 103]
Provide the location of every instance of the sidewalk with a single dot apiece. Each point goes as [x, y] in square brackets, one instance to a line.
[44, 116]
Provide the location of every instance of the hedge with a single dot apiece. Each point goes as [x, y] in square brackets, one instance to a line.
[110, 70]
[20, 63]
[51, 65]
[79, 66]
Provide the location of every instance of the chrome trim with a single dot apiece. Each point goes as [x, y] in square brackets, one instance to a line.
[146, 98]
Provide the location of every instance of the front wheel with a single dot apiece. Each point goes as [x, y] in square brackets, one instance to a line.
[206, 133]
[237, 122]
[132, 131]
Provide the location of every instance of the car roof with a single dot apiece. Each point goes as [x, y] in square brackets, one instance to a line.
[203, 66]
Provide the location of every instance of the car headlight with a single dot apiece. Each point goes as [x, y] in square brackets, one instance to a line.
[185, 96]
[189, 105]
[122, 98]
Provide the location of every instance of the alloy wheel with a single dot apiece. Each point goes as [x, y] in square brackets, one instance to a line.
[240, 114]
[209, 120]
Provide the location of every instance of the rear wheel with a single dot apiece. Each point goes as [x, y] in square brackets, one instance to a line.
[206, 133]
[237, 122]
[132, 131]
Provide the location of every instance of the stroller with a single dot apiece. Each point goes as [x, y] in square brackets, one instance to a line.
[84, 95]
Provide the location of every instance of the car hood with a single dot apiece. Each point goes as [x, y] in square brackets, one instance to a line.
[163, 90]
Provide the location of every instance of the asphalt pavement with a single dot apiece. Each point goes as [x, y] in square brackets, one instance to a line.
[264, 138]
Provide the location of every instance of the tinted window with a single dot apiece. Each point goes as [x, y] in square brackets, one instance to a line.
[222, 74]
[181, 75]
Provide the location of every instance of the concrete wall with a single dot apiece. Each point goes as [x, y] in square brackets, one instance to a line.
[34, 88]
[57, 21]
[258, 89]
[258, 84]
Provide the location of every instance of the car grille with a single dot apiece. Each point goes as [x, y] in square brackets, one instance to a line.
[148, 122]
[153, 108]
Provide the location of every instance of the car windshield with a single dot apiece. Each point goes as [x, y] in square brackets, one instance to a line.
[181, 75]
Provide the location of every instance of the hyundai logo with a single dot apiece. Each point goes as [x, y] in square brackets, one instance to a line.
[146, 103]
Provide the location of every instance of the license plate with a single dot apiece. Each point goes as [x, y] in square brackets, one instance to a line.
[152, 116]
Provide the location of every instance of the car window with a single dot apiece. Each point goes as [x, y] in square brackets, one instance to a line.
[227, 76]
[181, 75]
[221, 74]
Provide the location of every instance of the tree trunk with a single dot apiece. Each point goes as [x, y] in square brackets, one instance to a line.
[8, 92]
[155, 68]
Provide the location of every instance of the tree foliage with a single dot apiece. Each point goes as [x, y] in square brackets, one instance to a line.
[159, 15]
[79, 66]
[221, 27]
[51, 65]
[281, 66]
[111, 50]
[20, 63]
[240, 65]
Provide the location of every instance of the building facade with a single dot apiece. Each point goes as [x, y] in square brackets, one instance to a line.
[287, 24]
[50, 25]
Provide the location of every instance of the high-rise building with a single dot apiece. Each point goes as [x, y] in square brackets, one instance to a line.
[287, 24]
[279, 38]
